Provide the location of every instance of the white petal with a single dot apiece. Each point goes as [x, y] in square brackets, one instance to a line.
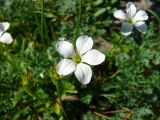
[120, 15]
[4, 26]
[126, 28]
[83, 44]
[83, 73]
[6, 38]
[131, 9]
[65, 67]
[93, 57]
[141, 26]
[140, 16]
[65, 48]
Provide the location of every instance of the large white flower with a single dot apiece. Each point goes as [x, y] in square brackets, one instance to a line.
[4, 36]
[132, 17]
[77, 61]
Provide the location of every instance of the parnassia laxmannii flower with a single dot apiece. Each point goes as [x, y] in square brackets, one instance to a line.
[132, 18]
[4, 36]
[77, 61]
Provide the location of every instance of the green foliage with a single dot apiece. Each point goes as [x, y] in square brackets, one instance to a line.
[125, 87]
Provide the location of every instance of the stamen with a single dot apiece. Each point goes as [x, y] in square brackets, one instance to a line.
[130, 20]
[76, 58]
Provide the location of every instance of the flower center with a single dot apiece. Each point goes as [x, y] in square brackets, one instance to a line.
[130, 20]
[76, 58]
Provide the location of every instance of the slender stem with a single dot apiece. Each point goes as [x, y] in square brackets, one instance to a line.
[112, 76]
[59, 96]
[35, 14]
[79, 20]
[1, 49]
[115, 45]
[46, 30]
[154, 14]
[42, 19]
[53, 33]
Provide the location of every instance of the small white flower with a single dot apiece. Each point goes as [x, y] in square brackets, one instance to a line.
[41, 75]
[4, 36]
[77, 61]
[132, 17]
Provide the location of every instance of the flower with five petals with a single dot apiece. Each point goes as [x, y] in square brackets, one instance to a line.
[132, 18]
[77, 61]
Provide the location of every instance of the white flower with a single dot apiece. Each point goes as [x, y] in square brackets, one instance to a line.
[4, 36]
[77, 61]
[132, 18]
[41, 75]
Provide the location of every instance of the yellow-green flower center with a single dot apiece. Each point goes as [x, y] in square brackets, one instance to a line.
[130, 20]
[76, 58]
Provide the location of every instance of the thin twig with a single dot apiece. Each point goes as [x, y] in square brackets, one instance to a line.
[101, 115]
[116, 111]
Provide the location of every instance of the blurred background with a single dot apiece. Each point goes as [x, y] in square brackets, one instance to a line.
[125, 87]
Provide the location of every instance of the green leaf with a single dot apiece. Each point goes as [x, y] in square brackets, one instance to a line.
[98, 2]
[87, 99]
[100, 12]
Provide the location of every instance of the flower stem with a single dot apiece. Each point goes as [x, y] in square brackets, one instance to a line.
[59, 96]
[115, 45]
[46, 30]
[78, 20]
[42, 20]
